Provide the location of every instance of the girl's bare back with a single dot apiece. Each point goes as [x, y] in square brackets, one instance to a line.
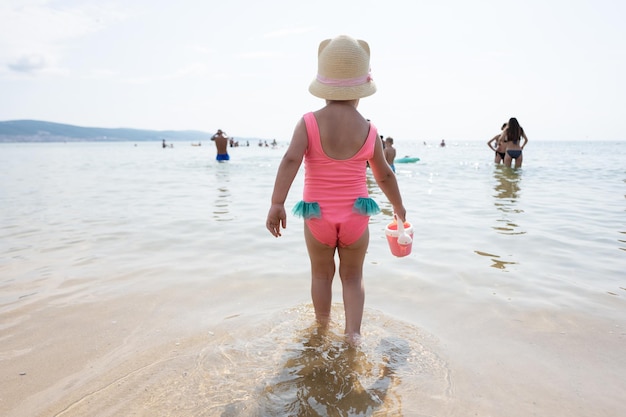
[343, 130]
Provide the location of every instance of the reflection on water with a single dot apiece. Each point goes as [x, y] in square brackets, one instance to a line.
[507, 190]
[377, 194]
[324, 376]
[395, 372]
[497, 262]
[223, 195]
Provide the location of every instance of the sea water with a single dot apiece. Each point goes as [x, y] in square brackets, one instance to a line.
[160, 257]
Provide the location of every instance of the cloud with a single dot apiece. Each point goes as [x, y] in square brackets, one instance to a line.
[34, 35]
[28, 63]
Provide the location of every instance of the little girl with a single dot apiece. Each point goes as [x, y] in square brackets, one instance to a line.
[336, 143]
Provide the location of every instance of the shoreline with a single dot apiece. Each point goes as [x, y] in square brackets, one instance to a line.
[498, 356]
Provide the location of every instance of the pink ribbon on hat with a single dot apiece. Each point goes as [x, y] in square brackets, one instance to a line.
[344, 82]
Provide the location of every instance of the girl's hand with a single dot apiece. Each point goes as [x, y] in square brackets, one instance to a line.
[276, 218]
[400, 213]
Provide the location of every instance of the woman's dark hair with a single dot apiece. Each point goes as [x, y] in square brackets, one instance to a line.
[514, 131]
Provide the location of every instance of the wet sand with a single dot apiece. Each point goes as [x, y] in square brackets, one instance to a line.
[141, 355]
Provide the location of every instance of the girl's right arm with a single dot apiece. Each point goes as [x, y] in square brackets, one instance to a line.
[287, 171]
[386, 180]
[525, 139]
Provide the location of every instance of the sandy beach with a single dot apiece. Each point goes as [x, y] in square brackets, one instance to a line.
[129, 356]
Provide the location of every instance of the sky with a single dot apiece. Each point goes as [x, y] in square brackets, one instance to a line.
[446, 69]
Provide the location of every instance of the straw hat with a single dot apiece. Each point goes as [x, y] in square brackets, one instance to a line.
[343, 70]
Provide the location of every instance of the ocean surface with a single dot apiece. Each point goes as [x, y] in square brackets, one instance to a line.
[137, 280]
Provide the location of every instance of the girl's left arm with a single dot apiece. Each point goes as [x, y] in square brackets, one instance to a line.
[386, 180]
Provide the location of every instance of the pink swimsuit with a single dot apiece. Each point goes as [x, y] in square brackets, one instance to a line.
[336, 204]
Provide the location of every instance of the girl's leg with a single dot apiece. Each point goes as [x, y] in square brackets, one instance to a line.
[518, 161]
[351, 260]
[322, 272]
[507, 160]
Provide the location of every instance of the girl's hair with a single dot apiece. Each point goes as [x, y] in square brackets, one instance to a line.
[514, 131]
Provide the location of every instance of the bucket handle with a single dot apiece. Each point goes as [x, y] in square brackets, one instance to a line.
[403, 236]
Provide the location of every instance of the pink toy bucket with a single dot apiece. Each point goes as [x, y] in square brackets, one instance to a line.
[392, 233]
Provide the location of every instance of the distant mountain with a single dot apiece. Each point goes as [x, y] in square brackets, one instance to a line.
[39, 131]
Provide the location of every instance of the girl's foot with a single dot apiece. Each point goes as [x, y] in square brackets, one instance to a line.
[353, 339]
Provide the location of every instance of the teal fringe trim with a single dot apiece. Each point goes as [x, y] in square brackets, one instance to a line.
[366, 206]
[307, 210]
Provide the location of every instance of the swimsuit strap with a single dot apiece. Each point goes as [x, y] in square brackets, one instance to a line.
[313, 132]
[315, 141]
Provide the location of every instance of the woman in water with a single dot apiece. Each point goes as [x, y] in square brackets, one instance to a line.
[498, 146]
[511, 135]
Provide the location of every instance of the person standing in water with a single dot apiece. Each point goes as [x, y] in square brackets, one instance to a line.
[511, 135]
[390, 153]
[498, 146]
[335, 142]
[221, 144]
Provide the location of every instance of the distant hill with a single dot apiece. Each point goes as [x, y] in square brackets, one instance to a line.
[39, 131]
